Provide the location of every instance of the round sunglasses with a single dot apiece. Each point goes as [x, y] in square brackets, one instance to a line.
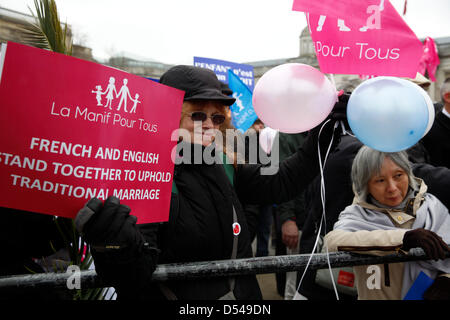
[201, 116]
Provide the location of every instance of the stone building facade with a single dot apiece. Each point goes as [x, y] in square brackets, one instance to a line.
[12, 24]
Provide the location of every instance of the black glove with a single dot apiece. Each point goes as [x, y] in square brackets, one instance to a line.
[337, 114]
[122, 256]
[108, 226]
[433, 245]
[439, 290]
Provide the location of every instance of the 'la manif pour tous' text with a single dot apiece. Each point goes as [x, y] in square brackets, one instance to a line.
[105, 117]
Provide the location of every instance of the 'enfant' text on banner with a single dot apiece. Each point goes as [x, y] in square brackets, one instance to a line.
[221, 67]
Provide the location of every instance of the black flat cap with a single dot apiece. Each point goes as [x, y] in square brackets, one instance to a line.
[198, 83]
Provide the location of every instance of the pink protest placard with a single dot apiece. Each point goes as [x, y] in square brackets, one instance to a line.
[72, 130]
[363, 37]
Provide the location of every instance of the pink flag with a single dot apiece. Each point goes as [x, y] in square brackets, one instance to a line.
[430, 59]
[364, 37]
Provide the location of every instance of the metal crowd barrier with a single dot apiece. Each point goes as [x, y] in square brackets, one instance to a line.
[220, 268]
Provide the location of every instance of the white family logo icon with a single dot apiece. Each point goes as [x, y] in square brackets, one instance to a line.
[111, 94]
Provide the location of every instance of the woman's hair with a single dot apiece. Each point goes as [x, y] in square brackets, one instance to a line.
[368, 162]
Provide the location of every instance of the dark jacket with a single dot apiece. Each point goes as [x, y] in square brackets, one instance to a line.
[293, 209]
[437, 141]
[26, 236]
[201, 219]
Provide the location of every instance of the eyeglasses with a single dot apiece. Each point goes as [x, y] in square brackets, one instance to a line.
[201, 116]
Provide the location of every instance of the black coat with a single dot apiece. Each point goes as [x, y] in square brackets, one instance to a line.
[437, 141]
[26, 236]
[201, 218]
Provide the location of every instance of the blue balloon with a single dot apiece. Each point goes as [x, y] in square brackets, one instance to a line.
[387, 114]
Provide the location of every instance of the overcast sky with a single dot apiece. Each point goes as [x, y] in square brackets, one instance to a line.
[174, 31]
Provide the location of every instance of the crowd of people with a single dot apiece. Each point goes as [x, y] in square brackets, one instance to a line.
[385, 202]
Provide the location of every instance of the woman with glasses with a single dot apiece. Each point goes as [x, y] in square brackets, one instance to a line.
[207, 220]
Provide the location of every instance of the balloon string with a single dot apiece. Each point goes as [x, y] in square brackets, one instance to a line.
[344, 131]
[323, 219]
[322, 195]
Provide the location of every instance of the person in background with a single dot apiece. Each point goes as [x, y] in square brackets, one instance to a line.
[264, 217]
[289, 218]
[437, 140]
[392, 211]
[420, 80]
[258, 125]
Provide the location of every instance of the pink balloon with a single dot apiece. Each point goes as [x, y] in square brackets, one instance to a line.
[293, 97]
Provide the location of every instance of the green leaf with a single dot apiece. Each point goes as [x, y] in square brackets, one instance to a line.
[47, 32]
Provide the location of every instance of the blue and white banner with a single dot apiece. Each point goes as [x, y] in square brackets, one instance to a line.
[242, 113]
[221, 67]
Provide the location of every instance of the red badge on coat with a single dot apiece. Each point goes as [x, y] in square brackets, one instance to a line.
[236, 228]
